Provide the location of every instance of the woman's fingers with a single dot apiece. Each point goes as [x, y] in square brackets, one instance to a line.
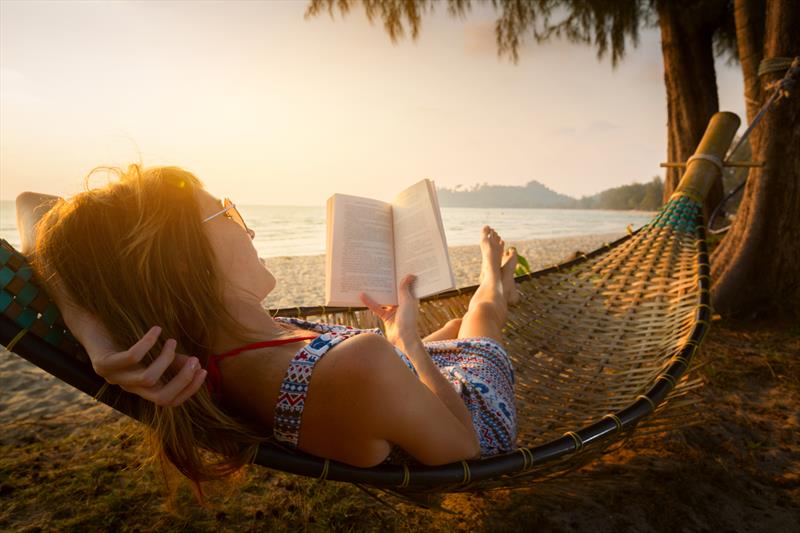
[169, 393]
[179, 361]
[371, 304]
[407, 286]
[124, 369]
[149, 376]
[132, 356]
[374, 306]
[190, 390]
[408, 281]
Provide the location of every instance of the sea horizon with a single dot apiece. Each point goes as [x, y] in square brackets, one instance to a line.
[283, 230]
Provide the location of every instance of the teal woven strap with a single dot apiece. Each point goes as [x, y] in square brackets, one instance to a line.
[27, 294]
[5, 301]
[6, 275]
[54, 337]
[14, 266]
[26, 318]
[51, 314]
[25, 272]
[680, 214]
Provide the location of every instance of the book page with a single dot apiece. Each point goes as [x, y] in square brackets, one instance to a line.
[420, 244]
[360, 255]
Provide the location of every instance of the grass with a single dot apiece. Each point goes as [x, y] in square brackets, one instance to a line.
[739, 469]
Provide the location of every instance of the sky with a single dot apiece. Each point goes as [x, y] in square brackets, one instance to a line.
[267, 107]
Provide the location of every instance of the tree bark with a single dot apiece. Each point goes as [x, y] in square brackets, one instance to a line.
[687, 31]
[756, 268]
[749, 17]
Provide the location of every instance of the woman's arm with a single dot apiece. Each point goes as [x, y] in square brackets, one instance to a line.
[119, 367]
[401, 330]
[430, 376]
[31, 207]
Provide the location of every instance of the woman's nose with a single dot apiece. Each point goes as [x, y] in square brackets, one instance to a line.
[251, 233]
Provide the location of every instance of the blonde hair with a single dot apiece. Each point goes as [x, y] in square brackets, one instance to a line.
[133, 253]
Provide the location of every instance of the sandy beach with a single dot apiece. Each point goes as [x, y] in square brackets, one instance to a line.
[465, 260]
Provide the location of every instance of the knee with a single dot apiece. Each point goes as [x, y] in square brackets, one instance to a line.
[453, 323]
[485, 311]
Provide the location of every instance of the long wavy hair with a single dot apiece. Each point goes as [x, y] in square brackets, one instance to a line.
[133, 254]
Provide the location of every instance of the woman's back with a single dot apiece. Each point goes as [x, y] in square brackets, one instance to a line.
[277, 383]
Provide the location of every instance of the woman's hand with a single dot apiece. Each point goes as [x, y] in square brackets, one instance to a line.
[400, 321]
[125, 369]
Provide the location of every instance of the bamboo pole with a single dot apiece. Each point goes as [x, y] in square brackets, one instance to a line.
[706, 163]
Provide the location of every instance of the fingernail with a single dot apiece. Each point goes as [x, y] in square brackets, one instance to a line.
[193, 363]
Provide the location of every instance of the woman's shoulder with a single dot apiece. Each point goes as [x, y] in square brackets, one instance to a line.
[363, 368]
[359, 357]
[352, 388]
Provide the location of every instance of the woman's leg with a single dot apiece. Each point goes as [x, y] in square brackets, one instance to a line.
[446, 332]
[486, 314]
[507, 270]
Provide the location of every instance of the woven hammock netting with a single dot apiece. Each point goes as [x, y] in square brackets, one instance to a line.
[589, 338]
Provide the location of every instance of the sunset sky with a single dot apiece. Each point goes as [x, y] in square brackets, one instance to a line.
[269, 108]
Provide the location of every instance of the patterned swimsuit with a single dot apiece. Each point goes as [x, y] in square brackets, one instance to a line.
[478, 368]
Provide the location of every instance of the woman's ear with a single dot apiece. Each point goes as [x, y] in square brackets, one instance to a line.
[31, 207]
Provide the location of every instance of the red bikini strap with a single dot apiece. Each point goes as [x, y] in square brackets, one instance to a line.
[214, 379]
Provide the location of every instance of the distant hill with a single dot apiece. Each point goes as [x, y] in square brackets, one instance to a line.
[533, 194]
[642, 196]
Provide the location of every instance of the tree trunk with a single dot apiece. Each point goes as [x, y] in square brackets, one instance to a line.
[749, 17]
[756, 268]
[687, 30]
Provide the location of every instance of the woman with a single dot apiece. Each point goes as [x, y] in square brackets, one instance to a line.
[154, 248]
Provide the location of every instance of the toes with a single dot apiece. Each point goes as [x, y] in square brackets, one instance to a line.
[510, 257]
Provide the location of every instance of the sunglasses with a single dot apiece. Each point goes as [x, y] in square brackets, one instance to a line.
[230, 211]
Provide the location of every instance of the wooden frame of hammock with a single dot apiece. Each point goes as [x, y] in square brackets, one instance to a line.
[598, 288]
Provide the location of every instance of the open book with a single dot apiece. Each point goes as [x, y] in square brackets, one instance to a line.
[373, 245]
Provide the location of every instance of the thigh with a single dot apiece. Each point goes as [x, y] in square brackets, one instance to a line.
[446, 332]
[481, 321]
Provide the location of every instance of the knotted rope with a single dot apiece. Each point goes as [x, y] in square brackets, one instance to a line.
[780, 89]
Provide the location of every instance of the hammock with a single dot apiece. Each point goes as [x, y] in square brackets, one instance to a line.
[600, 344]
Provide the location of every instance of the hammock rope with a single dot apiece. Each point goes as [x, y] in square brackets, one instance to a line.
[780, 89]
[601, 345]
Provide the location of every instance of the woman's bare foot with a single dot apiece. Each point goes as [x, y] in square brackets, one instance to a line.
[509, 265]
[488, 309]
[492, 253]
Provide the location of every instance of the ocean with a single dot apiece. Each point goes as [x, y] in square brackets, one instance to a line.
[293, 230]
